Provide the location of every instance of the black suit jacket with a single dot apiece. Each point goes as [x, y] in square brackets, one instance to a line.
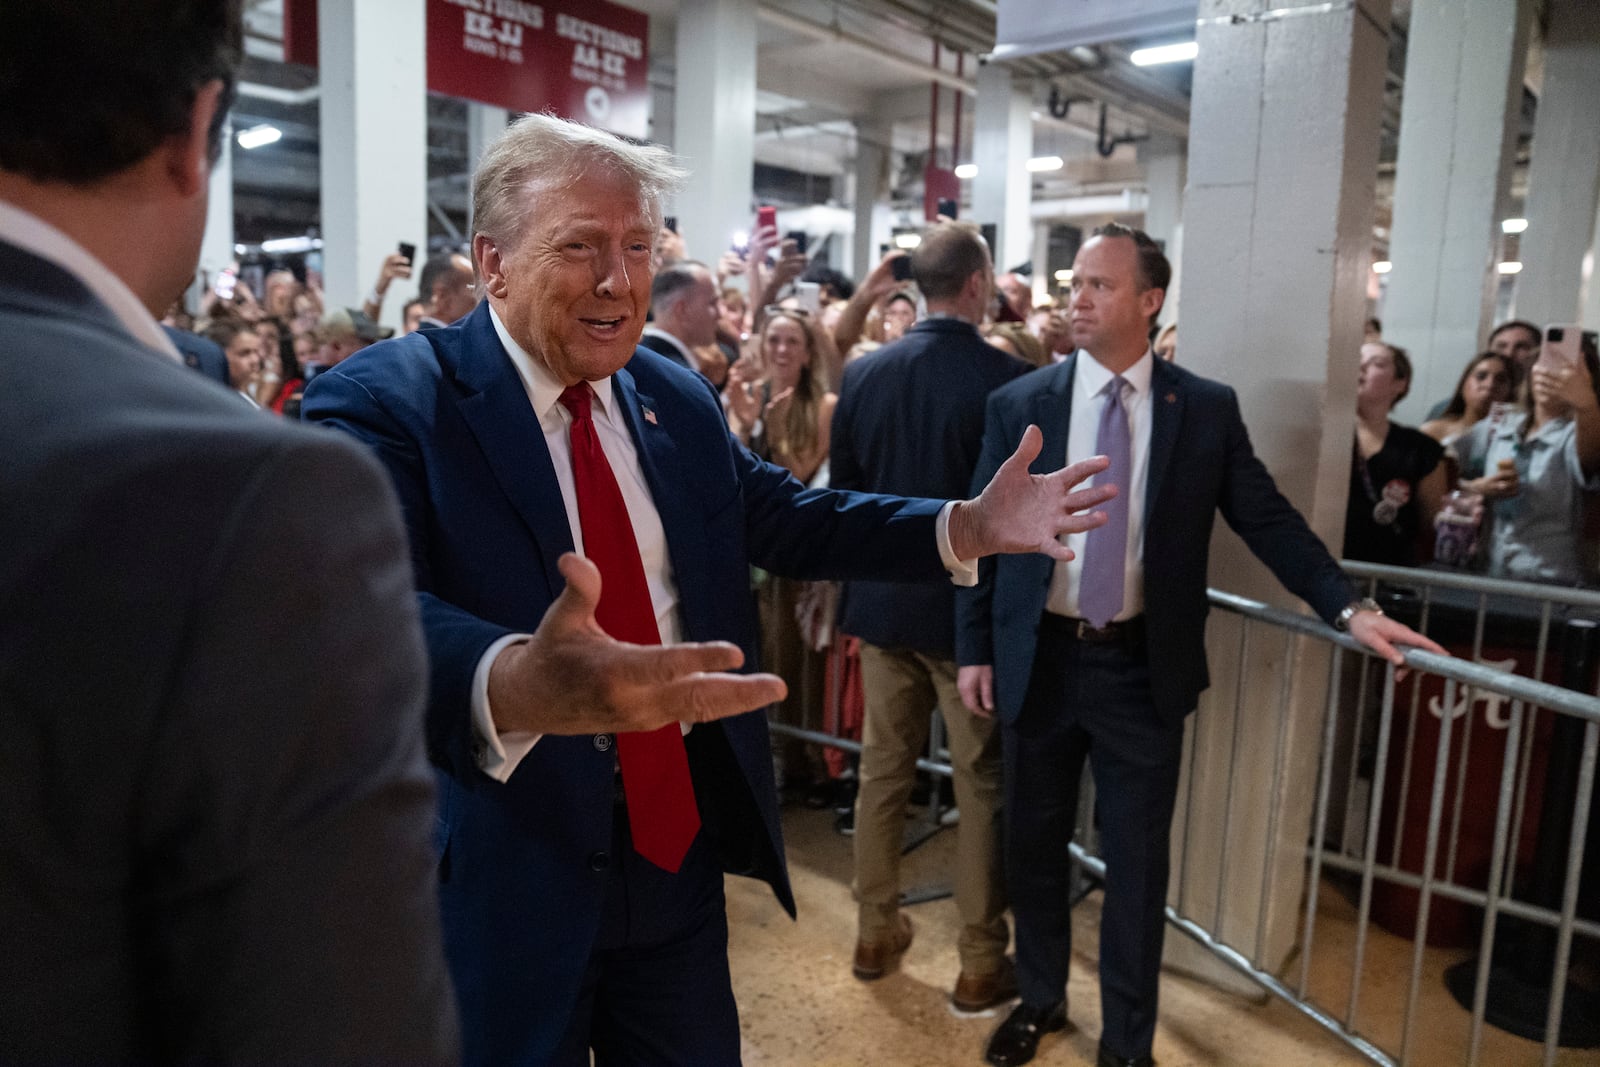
[1201, 462]
[661, 346]
[910, 421]
[215, 808]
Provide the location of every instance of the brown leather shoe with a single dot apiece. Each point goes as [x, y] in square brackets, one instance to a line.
[872, 960]
[980, 992]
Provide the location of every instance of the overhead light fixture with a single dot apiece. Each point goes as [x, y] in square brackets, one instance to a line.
[290, 245]
[1043, 163]
[239, 250]
[967, 170]
[256, 136]
[1167, 53]
[1510, 266]
[1383, 266]
[907, 240]
[1513, 225]
[1063, 276]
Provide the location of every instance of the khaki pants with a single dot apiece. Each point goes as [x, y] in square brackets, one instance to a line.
[901, 689]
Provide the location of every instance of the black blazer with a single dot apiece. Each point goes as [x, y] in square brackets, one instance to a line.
[910, 421]
[1200, 462]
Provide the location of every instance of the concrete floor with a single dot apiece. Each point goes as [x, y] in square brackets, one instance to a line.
[800, 1006]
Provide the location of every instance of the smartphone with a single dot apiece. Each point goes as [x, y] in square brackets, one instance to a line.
[808, 295]
[901, 267]
[409, 251]
[227, 280]
[947, 207]
[671, 223]
[1563, 345]
[766, 218]
[799, 239]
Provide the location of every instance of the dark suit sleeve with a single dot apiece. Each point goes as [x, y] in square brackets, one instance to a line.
[287, 887]
[844, 465]
[456, 638]
[1273, 529]
[975, 604]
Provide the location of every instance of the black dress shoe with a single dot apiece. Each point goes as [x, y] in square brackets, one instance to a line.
[1018, 1037]
[1111, 1059]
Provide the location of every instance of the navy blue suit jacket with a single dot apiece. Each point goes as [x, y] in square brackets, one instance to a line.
[1200, 462]
[910, 420]
[448, 415]
[200, 353]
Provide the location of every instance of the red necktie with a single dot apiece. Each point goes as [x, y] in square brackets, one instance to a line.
[655, 768]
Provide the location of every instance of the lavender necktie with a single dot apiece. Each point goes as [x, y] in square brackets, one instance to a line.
[1105, 552]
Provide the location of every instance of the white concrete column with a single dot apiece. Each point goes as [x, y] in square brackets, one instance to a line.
[1044, 282]
[1463, 99]
[1166, 163]
[374, 139]
[1283, 159]
[1002, 142]
[1564, 173]
[714, 119]
[485, 124]
[871, 168]
[216, 246]
[1591, 282]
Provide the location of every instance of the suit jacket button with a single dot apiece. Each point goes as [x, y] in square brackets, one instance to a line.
[602, 742]
[599, 861]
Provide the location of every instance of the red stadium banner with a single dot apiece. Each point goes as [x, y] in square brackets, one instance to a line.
[581, 59]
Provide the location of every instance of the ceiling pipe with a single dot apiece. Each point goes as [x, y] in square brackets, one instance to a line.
[870, 49]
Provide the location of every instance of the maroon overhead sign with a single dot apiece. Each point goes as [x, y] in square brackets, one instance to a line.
[581, 59]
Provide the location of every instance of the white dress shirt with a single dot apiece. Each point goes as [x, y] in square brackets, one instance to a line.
[502, 751]
[33, 234]
[1089, 396]
[684, 350]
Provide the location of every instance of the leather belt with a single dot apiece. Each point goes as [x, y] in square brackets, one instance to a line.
[1129, 632]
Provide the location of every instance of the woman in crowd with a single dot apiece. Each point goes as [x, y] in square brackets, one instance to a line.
[1014, 338]
[1538, 464]
[1397, 481]
[899, 315]
[242, 346]
[1166, 345]
[777, 404]
[1486, 380]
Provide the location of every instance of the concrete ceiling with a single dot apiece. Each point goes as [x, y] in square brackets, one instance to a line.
[822, 66]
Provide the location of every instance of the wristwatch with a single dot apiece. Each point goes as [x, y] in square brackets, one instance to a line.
[1342, 621]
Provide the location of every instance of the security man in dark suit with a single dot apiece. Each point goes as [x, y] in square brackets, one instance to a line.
[1103, 656]
[910, 421]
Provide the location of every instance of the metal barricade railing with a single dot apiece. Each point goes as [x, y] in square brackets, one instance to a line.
[1461, 677]
[1434, 880]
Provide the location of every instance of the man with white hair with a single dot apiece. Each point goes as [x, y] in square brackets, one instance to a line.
[581, 877]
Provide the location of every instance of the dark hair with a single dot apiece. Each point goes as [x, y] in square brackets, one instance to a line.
[838, 281]
[88, 88]
[436, 268]
[674, 280]
[1516, 324]
[224, 328]
[1458, 399]
[949, 254]
[1402, 368]
[1155, 272]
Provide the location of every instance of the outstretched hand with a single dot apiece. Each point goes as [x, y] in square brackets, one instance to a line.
[570, 677]
[1381, 633]
[1021, 512]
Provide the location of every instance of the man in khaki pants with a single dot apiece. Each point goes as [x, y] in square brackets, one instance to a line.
[910, 421]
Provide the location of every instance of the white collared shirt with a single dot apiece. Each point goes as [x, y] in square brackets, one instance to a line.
[33, 234]
[1089, 396]
[502, 751]
[688, 354]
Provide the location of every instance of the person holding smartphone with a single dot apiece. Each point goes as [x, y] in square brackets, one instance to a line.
[1539, 463]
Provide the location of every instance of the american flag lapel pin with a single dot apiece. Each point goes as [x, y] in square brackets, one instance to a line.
[649, 416]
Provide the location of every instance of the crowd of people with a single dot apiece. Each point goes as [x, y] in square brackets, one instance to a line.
[1507, 467]
[417, 733]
